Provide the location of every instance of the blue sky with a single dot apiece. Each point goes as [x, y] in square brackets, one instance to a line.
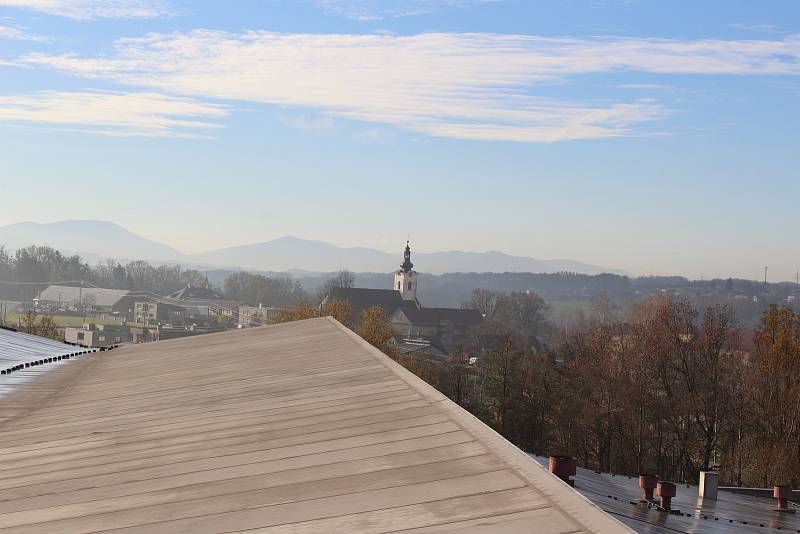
[656, 137]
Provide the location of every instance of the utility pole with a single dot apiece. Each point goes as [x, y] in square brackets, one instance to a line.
[765, 275]
[80, 301]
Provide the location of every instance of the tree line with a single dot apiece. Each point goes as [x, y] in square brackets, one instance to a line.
[667, 389]
[27, 271]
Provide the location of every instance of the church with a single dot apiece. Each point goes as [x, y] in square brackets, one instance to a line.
[435, 331]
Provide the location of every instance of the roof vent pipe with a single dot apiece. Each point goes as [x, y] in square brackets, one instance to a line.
[563, 467]
[709, 485]
[648, 483]
[666, 491]
[783, 494]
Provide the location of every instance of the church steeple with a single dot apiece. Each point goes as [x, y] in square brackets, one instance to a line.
[407, 265]
[405, 280]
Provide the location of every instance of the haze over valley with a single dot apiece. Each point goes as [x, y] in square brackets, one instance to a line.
[101, 240]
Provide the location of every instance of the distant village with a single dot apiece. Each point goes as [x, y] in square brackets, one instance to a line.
[106, 317]
[109, 304]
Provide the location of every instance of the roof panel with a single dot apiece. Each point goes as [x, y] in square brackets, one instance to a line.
[730, 513]
[298, 427]
[94, 296]
[23, 358]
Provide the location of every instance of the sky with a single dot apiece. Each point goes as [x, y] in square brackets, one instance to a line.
[656, 137]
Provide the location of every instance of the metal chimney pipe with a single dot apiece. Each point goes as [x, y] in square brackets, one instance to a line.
[648, 483]
[563, 467]
[782, 494]
[709, 485]
[666, 491]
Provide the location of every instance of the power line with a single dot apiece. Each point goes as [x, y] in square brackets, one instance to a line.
[43, 283]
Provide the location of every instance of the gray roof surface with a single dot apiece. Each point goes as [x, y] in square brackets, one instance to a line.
[729, 514]
[93, 296]
[20, 349]
[291, 428]
[192, 292]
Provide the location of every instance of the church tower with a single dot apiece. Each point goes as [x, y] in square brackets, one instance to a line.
[405, 279]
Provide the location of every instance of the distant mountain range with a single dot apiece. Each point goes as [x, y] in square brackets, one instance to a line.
[91, 239]
[103, 240]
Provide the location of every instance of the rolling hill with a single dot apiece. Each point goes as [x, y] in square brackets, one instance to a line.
[106, 240]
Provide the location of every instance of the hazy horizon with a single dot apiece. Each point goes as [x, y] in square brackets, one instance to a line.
[653, 138]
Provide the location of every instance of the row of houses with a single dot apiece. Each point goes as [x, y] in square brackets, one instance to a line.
[179, 308]
[108, 335]
[417, 328]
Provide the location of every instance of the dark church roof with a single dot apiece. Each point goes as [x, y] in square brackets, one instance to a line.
[391, 301]
[192, 292]
[362, 298]
[459, 316]
[419, 315]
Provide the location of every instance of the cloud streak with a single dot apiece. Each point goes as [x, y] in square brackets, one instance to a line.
[373, 10]
[17, 34]
[93, 9]
[120, 114]
[460, 86]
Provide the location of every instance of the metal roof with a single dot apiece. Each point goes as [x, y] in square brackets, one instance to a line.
[93, 296]
[23, 357]
[730, 513]
[297, 427]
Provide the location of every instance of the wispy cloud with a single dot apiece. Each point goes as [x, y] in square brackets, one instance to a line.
[309, 122]
[128, 114]
[372, 10]
[94, 9]
[19, 34]
[462, 86]
[759, 28]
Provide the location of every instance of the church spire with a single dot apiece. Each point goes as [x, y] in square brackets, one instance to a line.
[407, 265]
[405, 280]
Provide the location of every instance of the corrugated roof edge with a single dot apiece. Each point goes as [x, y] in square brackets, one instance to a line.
[581, 509]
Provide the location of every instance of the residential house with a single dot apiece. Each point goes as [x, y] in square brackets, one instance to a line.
[154, 312]
[97, 335]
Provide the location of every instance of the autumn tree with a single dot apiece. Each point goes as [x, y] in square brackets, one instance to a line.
[775, 398]
[297, 312]
[339, 309]
[375, 329]
[40, 325]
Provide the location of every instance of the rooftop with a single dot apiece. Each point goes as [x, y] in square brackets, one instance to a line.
[92, 296]
[194, 292]
[24, 357]
[297, 427]
[730, 513]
